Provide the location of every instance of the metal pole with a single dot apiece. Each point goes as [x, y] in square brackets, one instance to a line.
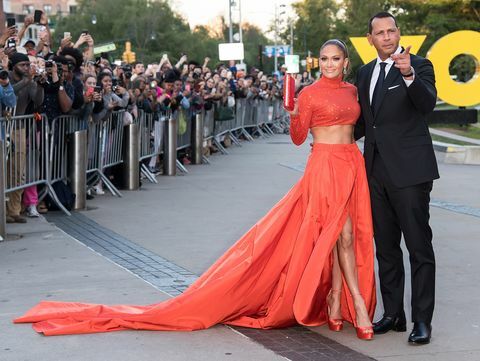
[132, 155]
[240, 20]
[78, 168]
[230, 32]
[291, 36]
[3, 212]
[275, 60]
[197, 139]
[170, 156]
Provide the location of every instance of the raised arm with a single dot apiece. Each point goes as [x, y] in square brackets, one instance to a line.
[300, 118]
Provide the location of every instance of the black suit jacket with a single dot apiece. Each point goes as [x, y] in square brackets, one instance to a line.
[399, 128]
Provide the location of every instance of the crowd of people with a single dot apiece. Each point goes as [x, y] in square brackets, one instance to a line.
[39, 77]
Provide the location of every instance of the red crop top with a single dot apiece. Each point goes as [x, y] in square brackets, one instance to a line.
[326, 102]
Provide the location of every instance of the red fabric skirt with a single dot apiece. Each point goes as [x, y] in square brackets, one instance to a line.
[277, 274]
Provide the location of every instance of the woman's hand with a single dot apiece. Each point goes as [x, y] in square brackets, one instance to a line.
[294, 112]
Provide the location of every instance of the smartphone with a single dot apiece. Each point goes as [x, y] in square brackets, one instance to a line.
[10, 22]
[11, 43]
[97, 88]
[89, 91]
[37, 16]
[85, 32]
[66, 34]
[153, 85]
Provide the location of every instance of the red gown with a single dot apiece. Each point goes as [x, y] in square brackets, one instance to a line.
[279, 272]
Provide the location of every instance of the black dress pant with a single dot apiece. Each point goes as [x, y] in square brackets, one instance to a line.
[396, 211]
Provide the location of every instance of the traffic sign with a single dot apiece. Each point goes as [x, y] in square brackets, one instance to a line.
[279, 50]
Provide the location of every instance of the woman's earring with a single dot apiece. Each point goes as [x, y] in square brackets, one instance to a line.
[345, 71]
[320, 71]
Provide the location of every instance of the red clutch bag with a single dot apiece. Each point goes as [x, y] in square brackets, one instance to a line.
[289, 92]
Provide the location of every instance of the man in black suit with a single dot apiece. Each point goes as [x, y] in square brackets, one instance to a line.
[396, 91]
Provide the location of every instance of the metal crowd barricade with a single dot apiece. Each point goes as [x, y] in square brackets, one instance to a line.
[224, 127]
[183, 118]
[60, 129]
[249, 120]
[151, 130]
[280, 117]
[261, 118]
[30, 146]
[240, 116]
[25, 147]
[208, 124]
[105, 142]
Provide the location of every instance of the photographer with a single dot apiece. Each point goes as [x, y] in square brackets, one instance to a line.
[112, 98]
[74, 75]
[59, 93]
[26, 80]
[7, 95]
[17, 146]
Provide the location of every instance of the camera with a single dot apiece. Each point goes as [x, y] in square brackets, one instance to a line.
[11, 43]
[10, 22]
[3, 73]
[127, 70]
[114, 84]
[49, 63]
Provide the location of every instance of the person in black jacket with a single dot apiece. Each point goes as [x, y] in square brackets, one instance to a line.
[396, 92]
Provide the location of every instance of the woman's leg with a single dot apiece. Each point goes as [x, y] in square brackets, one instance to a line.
[334, 297]
[346, 257]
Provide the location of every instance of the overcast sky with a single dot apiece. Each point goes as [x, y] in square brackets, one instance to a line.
[258, 12]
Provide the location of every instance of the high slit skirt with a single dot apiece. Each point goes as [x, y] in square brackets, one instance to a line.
[276, 275]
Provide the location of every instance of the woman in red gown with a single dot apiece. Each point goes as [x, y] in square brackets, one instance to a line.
[309, 261]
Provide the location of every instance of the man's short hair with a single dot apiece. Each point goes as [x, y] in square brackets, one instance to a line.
[30, 42]
[380, 15]
[136, 63]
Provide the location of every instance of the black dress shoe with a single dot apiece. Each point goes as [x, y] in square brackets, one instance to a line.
[421, 333]
[387, 323]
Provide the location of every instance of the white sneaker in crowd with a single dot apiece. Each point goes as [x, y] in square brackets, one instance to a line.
[99, 189]
[31, 211]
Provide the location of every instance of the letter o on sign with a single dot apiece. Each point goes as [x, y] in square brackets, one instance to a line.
[441, 55]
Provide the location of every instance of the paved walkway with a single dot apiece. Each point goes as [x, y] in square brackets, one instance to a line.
[141, 244]
[442, 133]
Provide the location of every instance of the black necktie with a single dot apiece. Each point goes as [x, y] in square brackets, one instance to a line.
[377, 92]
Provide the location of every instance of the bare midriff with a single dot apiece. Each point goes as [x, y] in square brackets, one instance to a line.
[333, 134]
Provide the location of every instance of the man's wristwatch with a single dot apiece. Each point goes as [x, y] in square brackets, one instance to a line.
[412, 71]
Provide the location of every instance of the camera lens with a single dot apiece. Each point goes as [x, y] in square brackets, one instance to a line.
[3, 74]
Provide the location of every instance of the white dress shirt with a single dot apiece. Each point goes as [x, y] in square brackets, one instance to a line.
[376, 72]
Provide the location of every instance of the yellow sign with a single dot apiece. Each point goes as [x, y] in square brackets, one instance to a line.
[441, 54]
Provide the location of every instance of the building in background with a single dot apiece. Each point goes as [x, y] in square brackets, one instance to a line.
[51, 7]
[19, 9]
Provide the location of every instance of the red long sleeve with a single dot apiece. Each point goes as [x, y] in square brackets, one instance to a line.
[327, 102]
[300, 123]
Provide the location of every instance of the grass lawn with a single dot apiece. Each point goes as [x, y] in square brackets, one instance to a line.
[470, 130]
[439, 138]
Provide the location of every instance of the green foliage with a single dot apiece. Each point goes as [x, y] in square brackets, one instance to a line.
[319, 20]
[153, 28]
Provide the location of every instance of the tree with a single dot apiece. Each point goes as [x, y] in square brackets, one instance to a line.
[152, 27]
[319, 20]
[314, 25]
